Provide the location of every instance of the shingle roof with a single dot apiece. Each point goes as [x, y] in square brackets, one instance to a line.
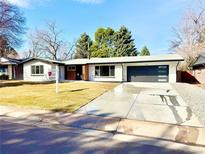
[200, 60]
[11, 61]
[167, 57]
[203, 55]
[42, 59]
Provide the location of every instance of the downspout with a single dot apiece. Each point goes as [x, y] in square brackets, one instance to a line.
[14, 72]
[122, 72]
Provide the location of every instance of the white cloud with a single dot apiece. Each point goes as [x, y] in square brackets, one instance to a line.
[29, 3]
[26, 3]
[21, 3]
[90, 1]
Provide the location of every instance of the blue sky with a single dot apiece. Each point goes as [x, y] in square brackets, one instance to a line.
[150, 21]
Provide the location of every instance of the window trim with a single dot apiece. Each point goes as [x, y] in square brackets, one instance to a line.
[39, 74]
[109, 76]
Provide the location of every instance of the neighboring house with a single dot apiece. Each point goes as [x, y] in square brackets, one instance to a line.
[199, 68]
[11, 68]
[39, 70]
[160, 68]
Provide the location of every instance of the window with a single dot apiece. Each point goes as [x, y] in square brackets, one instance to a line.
[3, 69]
[162, 67]
[112, 70]
[97, 70]
[105, 71]
[71, 68]
[37, 70]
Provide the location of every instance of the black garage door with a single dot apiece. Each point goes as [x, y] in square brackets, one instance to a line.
[148, 73]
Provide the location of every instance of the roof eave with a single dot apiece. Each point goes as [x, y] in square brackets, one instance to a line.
[202, 64]
[47, 61]
[177, 60]
[5, 63]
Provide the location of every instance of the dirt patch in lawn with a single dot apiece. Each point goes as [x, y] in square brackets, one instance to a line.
[71, 95]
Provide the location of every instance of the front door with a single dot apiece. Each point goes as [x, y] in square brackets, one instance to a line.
[71, 72]
[79, 72]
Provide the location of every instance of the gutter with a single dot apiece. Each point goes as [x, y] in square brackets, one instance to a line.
[128, 62]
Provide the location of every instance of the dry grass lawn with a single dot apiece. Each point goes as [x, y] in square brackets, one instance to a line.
[71, 95]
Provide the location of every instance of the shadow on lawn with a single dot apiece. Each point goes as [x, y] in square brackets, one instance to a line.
[20, 83]
[17, 138]
[65, 109]
[74, 90]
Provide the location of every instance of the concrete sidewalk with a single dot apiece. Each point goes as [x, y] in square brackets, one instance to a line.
[105, 126]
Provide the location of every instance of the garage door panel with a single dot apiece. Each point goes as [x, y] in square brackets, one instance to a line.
[144, 78]
[147, 73]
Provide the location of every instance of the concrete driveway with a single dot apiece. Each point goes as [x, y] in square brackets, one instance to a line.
[157, 102]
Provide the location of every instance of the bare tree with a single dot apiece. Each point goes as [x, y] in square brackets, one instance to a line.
[67, 52]
[49, 44]
[34, 49]
[12, 24]
[49, 41]
[190, 36]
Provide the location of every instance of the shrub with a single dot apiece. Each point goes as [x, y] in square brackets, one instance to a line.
[4, 77]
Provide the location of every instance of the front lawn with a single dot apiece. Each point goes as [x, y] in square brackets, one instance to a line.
[71, 95]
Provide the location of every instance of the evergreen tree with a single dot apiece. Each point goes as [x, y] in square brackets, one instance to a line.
[83, 46]
[145, 51]
[102, 52]
[124, 44]
[102, 47]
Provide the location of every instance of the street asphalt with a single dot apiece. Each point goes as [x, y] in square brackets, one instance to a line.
[22, 139]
